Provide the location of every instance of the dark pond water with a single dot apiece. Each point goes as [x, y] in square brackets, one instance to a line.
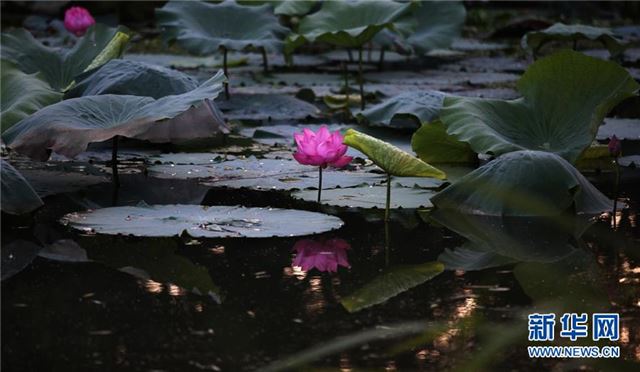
[262, 311]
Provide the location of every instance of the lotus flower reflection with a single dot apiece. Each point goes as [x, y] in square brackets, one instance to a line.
[324, 255]
[77, 20]
[321, 149]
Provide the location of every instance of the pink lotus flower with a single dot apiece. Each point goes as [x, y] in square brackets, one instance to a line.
[77, 20]
[615, 146]
[321, 149]
[324, 256]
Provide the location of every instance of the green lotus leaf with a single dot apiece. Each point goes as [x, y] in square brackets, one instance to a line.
[132, 78]
[348, 23]
[69, 126]
[565, 98]
[534, 40]
[18, 197]
[523, 183]
[433, 144]
[390, 158]
[203, 28]
[406, 110]
[22, 94]
[293, 7]
[391, 283]
[430, 25]
[201, 221]
[59, 66]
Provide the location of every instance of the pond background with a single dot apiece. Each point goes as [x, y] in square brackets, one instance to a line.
[262, 310]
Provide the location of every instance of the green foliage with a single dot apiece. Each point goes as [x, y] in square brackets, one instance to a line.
[433, 144]
[22, 94]
[408, 109]
[565, 99]
[534, 40]
[523, 183]
[69, 126]
[132, 78]
[348, 23]
[390, 158]
[59, 66]
[203, 28]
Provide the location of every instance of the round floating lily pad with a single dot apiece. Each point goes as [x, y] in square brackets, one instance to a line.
[624, 129]
[259, 174]
[201, 221]
[371, 197]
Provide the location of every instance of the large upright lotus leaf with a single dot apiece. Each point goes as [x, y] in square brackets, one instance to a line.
[349, 23]
[59, 66]
[534, 40]
[469, 258]
[391, 283]
[433, 144]
[201, 221]
[390, 158]
[132, 78]
[18, 197]
[203, 28]
[293, 7]
[69, 126]
[565, 98]
[523, 183]
[434, 25]
[406, 110]
[22, 94]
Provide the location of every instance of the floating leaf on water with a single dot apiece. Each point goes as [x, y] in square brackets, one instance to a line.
[201, 221]
[523, 183]
[390, 283]
[368, 197]
[623, 129]
[65, 250]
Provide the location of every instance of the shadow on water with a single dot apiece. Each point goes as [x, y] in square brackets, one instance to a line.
[247, 304]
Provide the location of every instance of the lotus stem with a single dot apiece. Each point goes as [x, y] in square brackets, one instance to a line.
[265, 61]
[615, 191]
[350, 55]
[369, 50]
[360, 78]
[114, 163]
[575, 44]
[386, 243]
[319, 184]
[388, 204]
[381, 60]
[346, 81]
[226, 72]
